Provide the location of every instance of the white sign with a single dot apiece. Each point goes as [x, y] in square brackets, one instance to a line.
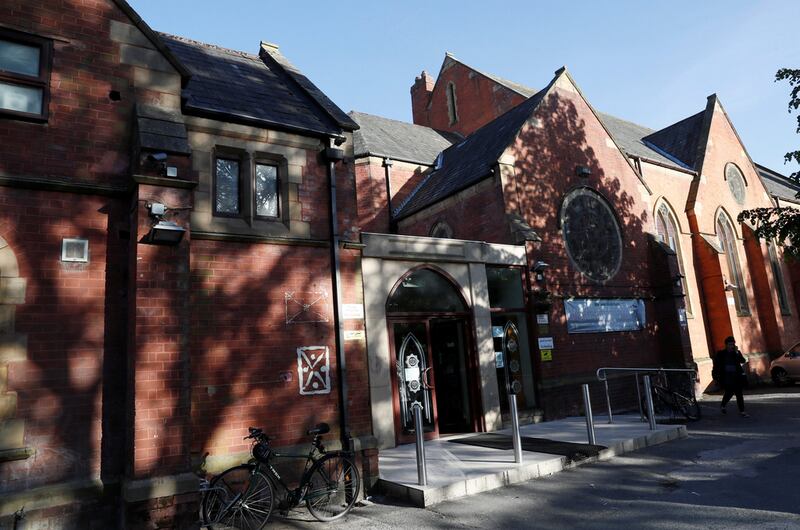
[498, 359]
[545, 343]
[352, 312]
[541, 318]
[313, 370]
[601, 315]
[356, 334]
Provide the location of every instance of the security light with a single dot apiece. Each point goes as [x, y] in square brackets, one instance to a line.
[163, 232]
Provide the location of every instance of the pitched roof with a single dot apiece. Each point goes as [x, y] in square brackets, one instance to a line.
[242, 87]
[680, 139]
[779, 185]
[628, 135]
[399, 140]
[471, 160]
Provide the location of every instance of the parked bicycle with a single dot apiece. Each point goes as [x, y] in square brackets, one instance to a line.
[243, 497]
[672, 401]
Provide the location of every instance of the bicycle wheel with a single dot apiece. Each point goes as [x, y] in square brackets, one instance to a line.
[240, 498]
[658, 405]
[688, 406]
[333, 487]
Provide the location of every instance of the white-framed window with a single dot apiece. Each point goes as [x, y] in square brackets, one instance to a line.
[75, 250]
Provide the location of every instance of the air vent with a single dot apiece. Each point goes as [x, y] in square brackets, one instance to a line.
[75, 250]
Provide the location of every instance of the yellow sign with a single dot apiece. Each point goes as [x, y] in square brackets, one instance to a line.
[547, 355]
[354, 334]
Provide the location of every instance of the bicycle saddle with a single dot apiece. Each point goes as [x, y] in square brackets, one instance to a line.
[321, 428]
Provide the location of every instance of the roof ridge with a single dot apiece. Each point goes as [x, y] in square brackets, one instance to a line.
[187, 40]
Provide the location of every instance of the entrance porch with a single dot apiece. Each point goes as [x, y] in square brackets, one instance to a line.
[457, 470]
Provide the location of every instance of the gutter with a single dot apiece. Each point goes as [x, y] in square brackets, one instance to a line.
[332, 155]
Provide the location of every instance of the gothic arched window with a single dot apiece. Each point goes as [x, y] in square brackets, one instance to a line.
[727, 238]
[667, 228]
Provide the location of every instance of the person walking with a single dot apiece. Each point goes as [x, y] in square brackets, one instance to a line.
[728, 373]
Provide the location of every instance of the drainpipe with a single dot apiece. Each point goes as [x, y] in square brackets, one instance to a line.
[387, 163]
[334, 154]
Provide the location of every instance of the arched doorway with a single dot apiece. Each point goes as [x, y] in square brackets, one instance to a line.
[433, 355]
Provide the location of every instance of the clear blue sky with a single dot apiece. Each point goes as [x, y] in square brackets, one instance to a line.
[652, 63]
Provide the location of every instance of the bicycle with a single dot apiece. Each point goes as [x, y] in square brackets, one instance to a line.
[676, 402]
[243, 496]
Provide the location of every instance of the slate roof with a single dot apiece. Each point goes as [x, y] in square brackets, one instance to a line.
[471, 160]
[399, 140]
[628, 135]
[242, 87]
[161, 130]
[778, 185]
[680, 139]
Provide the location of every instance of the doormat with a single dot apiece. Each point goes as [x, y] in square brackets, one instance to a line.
[573, 451]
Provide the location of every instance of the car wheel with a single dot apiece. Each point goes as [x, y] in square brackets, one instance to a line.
[780, 377]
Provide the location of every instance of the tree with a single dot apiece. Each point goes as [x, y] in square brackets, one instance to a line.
[782, 224]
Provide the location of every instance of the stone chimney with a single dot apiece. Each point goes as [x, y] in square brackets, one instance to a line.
[421, 92]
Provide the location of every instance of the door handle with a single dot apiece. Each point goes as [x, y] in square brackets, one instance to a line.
[425, 382]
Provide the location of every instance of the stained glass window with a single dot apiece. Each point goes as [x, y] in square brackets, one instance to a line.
[735, 182]
[727, 238]
[668, 233]
[591, 235]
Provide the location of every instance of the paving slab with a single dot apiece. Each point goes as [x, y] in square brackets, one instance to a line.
[458, 470]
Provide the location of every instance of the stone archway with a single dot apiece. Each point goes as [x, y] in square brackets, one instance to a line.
[13, 348]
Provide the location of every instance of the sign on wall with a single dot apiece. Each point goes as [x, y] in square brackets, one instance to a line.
[352, 312]
[601, 315]
[313, 370]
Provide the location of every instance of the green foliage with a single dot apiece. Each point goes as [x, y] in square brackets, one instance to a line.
[782, 224]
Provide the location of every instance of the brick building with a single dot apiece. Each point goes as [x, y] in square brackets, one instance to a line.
[194, 240]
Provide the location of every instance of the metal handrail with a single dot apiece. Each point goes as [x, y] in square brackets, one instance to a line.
[602, 375]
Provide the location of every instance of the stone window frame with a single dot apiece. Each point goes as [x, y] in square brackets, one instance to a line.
[777, 274]
[582, 190]
[247, 183]
[41, 82]
[743, 180]
[727, 238]
[441, 227]
[452, 102]
[665, 212]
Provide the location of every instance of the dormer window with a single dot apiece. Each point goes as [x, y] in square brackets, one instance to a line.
[451, 103]
[24, 75]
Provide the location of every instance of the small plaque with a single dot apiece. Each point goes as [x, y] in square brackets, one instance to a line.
[355, 334]
[498, 359]
[352, 312]
[547, 355]
[545, 343]
[541, 318]
[497, 332]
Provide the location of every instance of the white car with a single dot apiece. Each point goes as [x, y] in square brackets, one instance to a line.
[786, 368]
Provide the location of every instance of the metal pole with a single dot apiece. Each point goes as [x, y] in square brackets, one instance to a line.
[515, 438]
[608, 402]
[587, 407]
[422, 470]
[648, 395]
[639, 398]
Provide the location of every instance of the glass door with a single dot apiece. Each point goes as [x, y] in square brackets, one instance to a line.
[412, 379]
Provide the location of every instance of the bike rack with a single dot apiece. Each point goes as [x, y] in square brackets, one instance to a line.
[602, 375]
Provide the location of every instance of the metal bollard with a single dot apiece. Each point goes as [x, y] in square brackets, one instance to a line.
[639, 398]
[608, 403]
[648, 395]
[422, 470]
[515, 438]
[587, 407]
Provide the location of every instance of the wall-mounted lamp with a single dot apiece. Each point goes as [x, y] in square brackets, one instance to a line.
[163, 232]
[538, 269]
[728, 285]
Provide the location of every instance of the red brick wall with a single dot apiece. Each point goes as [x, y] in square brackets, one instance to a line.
[87, 136]
[74, 319]
[479, 100]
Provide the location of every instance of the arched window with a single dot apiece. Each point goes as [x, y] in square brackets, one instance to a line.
[591, 234]
[452, 111]
[727, 238]
[425, 291]
[441, 229]
[667, 228]
[777, 274]
[736, 182]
